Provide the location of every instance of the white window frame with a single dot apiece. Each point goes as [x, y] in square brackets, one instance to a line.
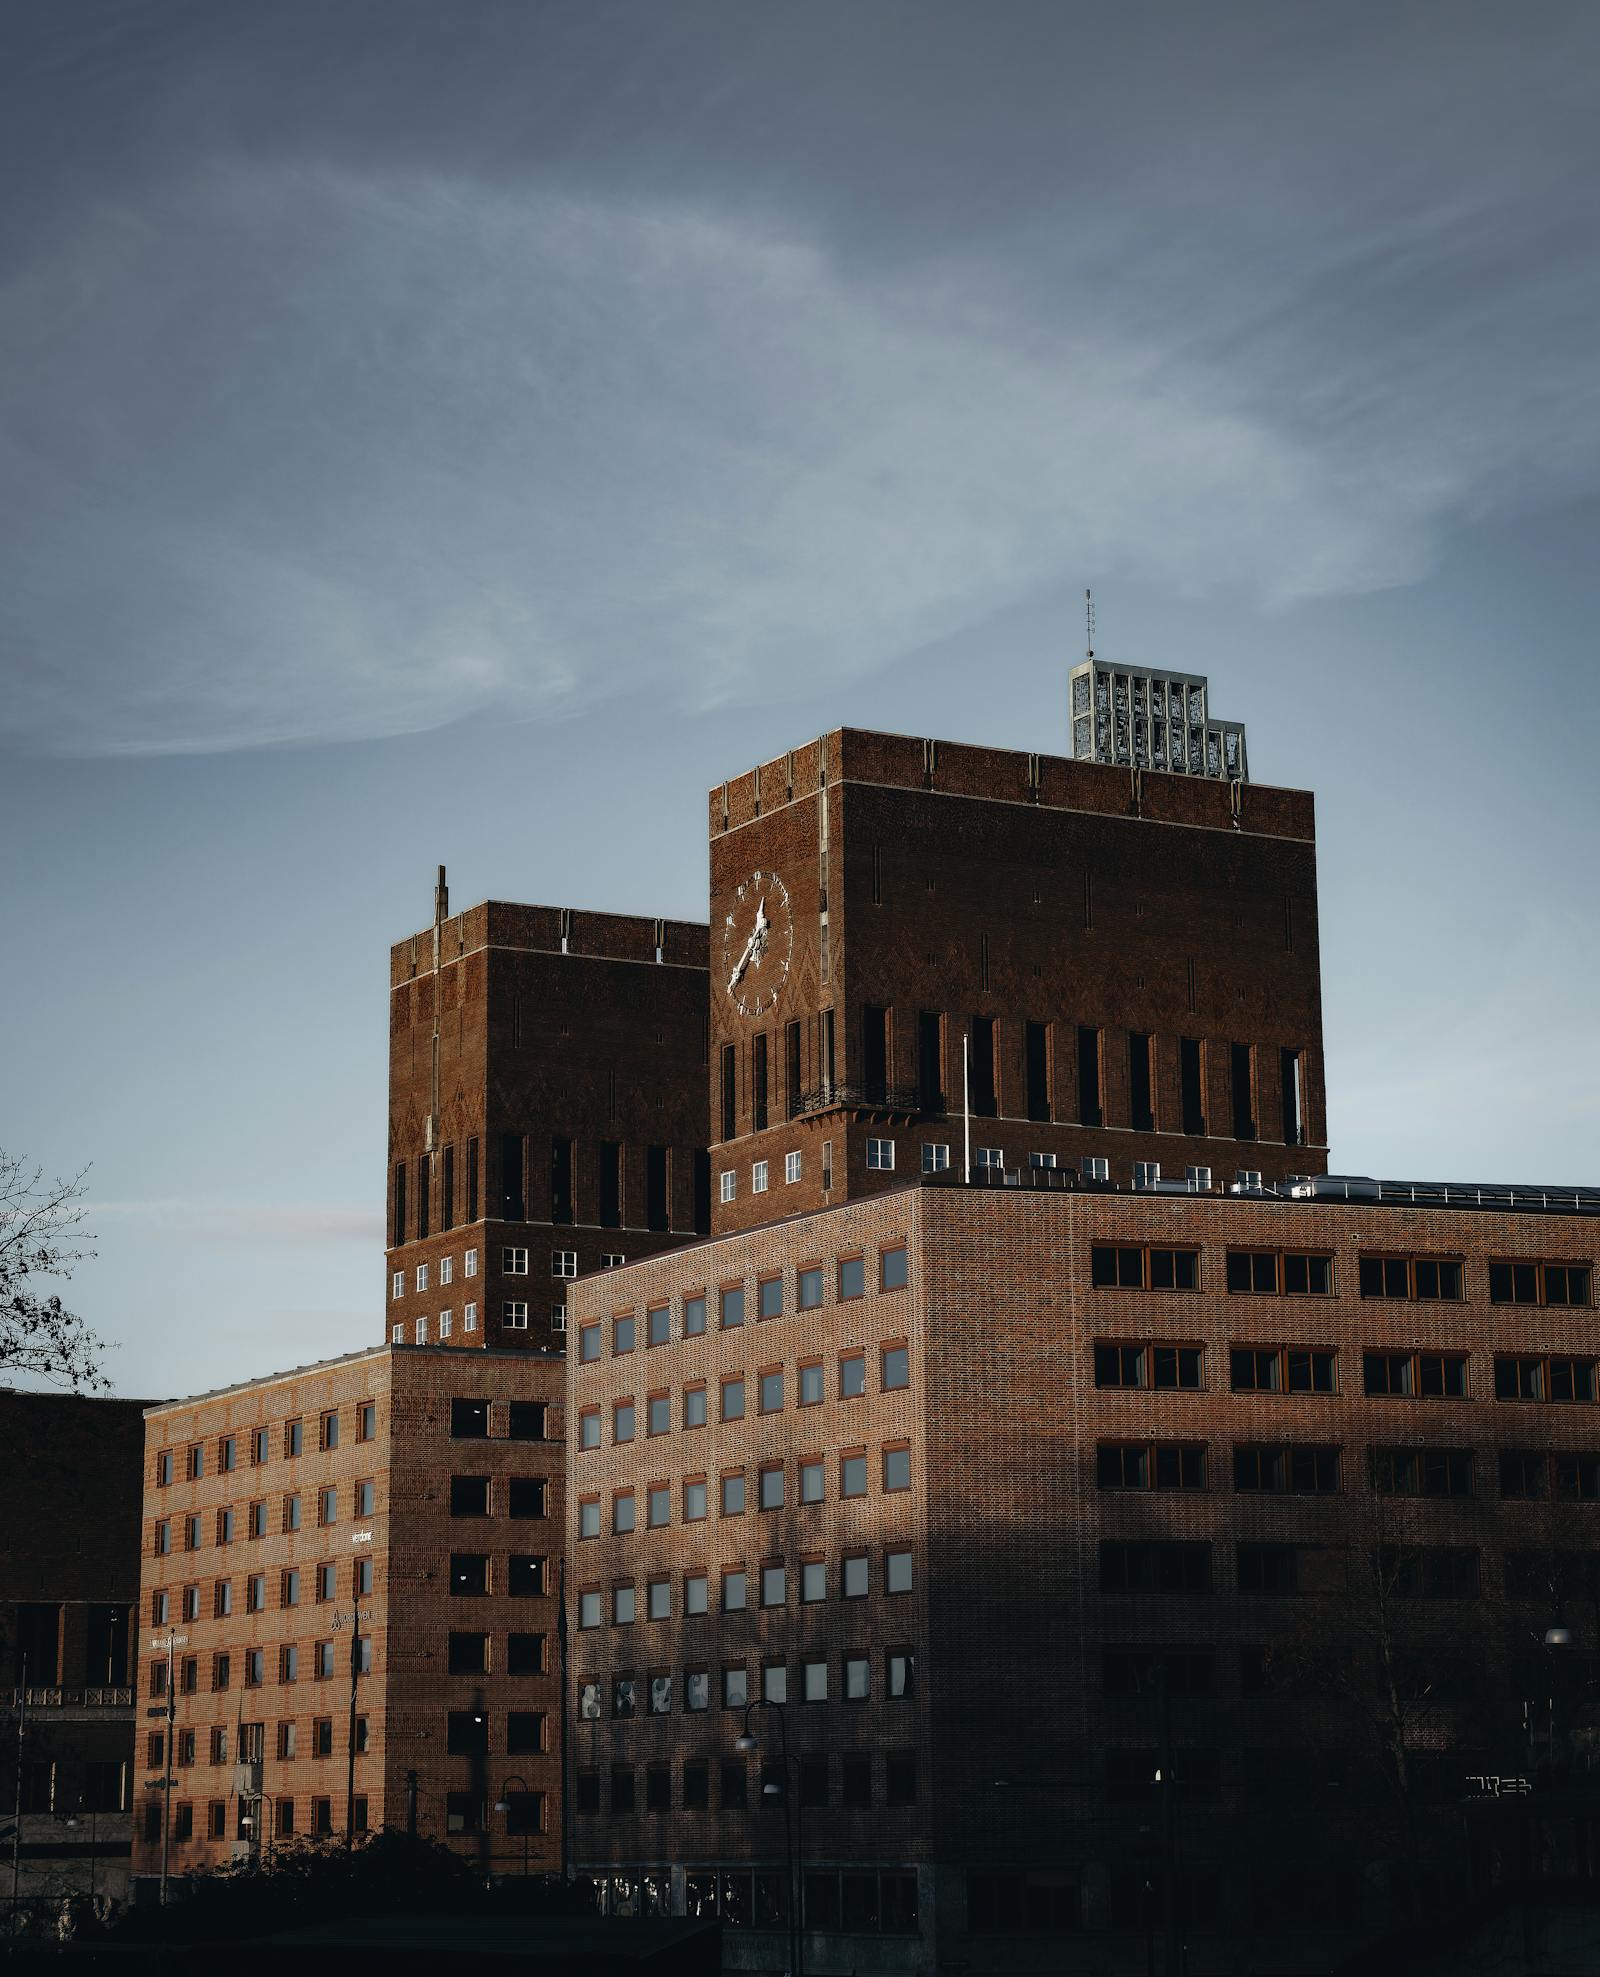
[563, 1263]
[469, 1266]
[422, 1276]
[397, 1335]
[446, 1322]
[935, 1156]
[514, 1314]
[877, 1162]
[989, 1156]
[612, 1259]
[447, 1270]
[792, 1163]
[422, 1331]
[758, 1177]
[514, 1262]
[1041, 1160]
[469, 1318]
[398, 1287]
[727, 1184]
[558, 1317]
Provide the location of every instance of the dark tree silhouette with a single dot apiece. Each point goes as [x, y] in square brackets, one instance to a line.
[42, 1238]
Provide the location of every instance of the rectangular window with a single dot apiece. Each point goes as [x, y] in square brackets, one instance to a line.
[513, 1199]
[733, 1493]
[935, 1157]
[880, 1156]
[1127, 1268]
[980, 1067]
[1413, 1375]
[852, 1375]
[1296, 1469]
[513, 1315]
[853, 1473]
[1036, 1064]
[397, 1224]
[610, 1184]
[1141, 1082]
[1282, 1369]
[730, 1092]
[1430, 1571]
[1192, 1086]
[791, 1167]
[1091, 1110]
[733, 1399]
[470, 1265]
[1242, 1078]
[758, 1177]
[930, 1062]
[1273, 1273]
[1172, 1367]
[1539, 1283]
[852, 1277]
[424, 1194]
[874, 1053]
[1424, 1279]
[447, 1190]
[1151, 1466]
[812, 1479]
[1155, 1566]
[1555, 1377]
[727, 1184]
[472, 1180]
[1293, 1099]
[564, 1263]
[1435, 1472]
[758, 1083]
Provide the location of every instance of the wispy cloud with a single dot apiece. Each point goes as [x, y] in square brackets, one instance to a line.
[222, 1222]
[298, 454]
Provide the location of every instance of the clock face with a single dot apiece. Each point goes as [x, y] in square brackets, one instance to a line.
[757, 943]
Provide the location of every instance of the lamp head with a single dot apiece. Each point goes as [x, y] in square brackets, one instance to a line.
[1558, 1637]
[771, 1791]
[502, 1805]
[745, 1742]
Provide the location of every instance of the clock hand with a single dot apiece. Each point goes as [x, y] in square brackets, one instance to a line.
[741, 964]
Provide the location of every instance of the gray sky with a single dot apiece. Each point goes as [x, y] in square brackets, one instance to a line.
[467, 431]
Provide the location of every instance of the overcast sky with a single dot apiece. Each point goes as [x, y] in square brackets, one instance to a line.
[466, 431]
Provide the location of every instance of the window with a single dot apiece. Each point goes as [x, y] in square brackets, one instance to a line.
[853, 1473]
[1430, 1571]
[366, 1498]
[447, 1271]
[735, 1690]
[421, 1332]
[288, 1668]
[469, 1496]
[623, 1608]
[809, 1373]
[289, 1588]
[1281, 1369]
[514, 1262]
[657, 1413]
[589, 1517]
[1414, 1374]
[855, 1576]
[588, 1343]
[896, 1367]
[880, 1155]
[900, 1672]
[770, 1390]
[1555, 1377]
[774, 1586]
[694, 1500]
[758, 1177]
[733, 1493]
[857, 1688]
[808, 1283]
[769, 1298]
[813, 1581]
[469, 1420]
[469, 1263]
[1159, 1366]
[397, 1285]
[658, 1599]
[658, 1505]
[589, 1609]
[770, 1492]
[852, 1375]
[1295, 1468]
[892, 1268]
[469, 1323]
[328, 1506]
[935, 1157]
[563, 1263]
[622, 1332]
[658, 1324]
[622, 1511]
[1144, 1269]
[694, 1316]
[1539, 1283]
[622, 1421]
[1422, 1471]
[897, 1469]
[1150, 1466]
[814, 1681]
[469, 1574]
[696, 1594]
[1427, 1279]
[731, 1304]
[256, 1520]
[726, 1183]
[1155, 1566]
[733, 1399]
[1273, 1273]
[852, 1277]
[325, 1583]
[897, 1572]
[1286, 1569]
[812, 1479]
[791, 1167]
[694, 1405]
[989, 1157]
[525, 1654]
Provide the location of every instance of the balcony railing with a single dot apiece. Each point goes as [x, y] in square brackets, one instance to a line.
[837, 1097]
[72, 1698]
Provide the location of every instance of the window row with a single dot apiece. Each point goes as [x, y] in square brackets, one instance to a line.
[426, 1276]
[506, 1496]
[524, 1421]
[847, 1677]
[226, 1453]
[1186, 1566]
[1303, 1273]
[770, 1389]
[1175, 1366]
[862, 1900]
[1312, 1469]
[820, 1780]
[259, 1519]
[478, 1574]
[739, 1588]
[445, 1325]
[194, 1601]
[733, 1303]
[255, 1819]
[250, 1742]
[257, 1665]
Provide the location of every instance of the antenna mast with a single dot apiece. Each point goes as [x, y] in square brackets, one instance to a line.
[1088, 613]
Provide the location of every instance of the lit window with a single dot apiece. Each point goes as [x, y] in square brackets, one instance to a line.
[791, 1166]
[935, 1157]
[880, 1155]
[758, 1177]
[563, 1263]
[726, 1182]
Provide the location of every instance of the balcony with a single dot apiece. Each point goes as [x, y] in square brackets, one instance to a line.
[45, 1699]
[898, 1101]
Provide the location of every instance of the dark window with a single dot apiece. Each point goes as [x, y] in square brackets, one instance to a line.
[513, 1196]
[472, 1180]
[586, 1791]
[1037, 1043]
[469, 1654]
[1022, 1901]
[1426, 1279]
[980, 1067]
[696, 1784]
[1144, 1269]
[900, 1778]
[856, 1780]
[398, 1229]
[1265, 1568]
[526, 1422]
[1241, 1073]
[1174, 1367]
[1141, 1083]
[467, 1734]
[930, 1061]
[1090, 1108]
[469, 1574]
[735, 1784]
[1410, 1374]
[1295, 1468]
[1192, 1087]
[1146, 1671]
[875, 1052]
[758, 1083]
[1293, 1107]
[524, 1576]
[655, 1188]
[447, 1190]
[1430, 1571]
[1155, 1566]
[424, 1193]
[622, 1788]
[561, 1201]
[525, 1732]
[610, 1185]
[791, 1058]
[814, 1780]
[469, 1496]
[528, 1496]
[1522, 1474]
[525, 1654]
[1151, 1466]
[658, 1787]
[469, 1420]
[730, 1091]
[1422, 1471]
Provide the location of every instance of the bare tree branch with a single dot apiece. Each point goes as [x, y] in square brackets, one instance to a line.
[42, 1237]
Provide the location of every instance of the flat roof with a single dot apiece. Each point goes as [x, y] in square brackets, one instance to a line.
[346, 1359]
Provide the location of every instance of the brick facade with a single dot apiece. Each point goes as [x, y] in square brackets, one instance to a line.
[1071, 918]
[548, 1026]
[1020, 1641]
[263, 1669]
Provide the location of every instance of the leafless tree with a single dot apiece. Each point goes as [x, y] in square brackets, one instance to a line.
[42, 1237]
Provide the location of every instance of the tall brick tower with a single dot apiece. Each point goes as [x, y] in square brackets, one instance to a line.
[546, 1112]
[919, 947]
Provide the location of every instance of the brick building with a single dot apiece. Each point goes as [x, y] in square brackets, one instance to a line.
[970, 1478]
[1127, 961]
[68, 1583]
[546, 1112]
[405, 1499]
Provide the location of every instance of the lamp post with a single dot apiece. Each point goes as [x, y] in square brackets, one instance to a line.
[250, 1824]
[352, 1620]
[503, 1804]
[794, 1856]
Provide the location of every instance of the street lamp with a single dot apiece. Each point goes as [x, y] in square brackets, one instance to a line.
[503, 1804]
[794, 1855]
[253, 1837]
